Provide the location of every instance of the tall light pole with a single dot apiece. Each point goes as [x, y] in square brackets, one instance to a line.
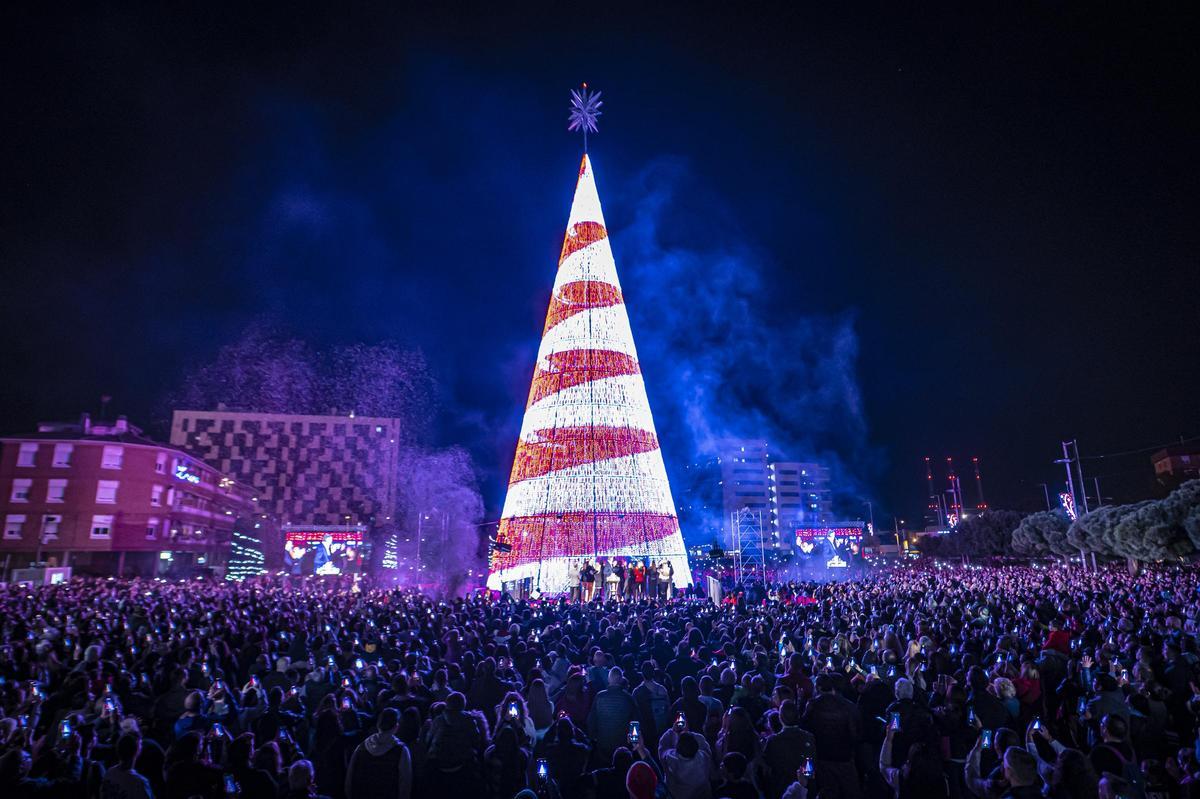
[1046, 491]
[1066, 461]
[1079, 471]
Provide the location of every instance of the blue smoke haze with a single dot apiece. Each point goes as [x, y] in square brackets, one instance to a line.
[725, 355]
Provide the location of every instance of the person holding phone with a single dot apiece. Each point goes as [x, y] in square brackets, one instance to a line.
[786, 751]
[189, 764]
[912, 720]
[921, 774]
[512, 711]
[837, 726]
[687, 762]
[507, 763]
[610, 714]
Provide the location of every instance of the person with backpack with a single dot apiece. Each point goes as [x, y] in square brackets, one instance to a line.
[381, 766]
[1114, 755]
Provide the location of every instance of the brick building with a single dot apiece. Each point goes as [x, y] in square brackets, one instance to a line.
[1176, 464]
[103, 498]
[305, 470]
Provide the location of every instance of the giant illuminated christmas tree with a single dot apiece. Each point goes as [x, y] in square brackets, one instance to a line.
[588, 479]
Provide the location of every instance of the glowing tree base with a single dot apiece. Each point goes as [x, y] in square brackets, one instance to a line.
[588, 479]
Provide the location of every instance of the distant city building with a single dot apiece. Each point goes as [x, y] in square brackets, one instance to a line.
[103, 498]
[1176, 464]
[748, 475]
[306, 470]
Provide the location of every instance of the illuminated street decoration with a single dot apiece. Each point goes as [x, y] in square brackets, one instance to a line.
[588, 479]
[1068, 504]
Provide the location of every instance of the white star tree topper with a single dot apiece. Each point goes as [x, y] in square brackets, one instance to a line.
[585, 110]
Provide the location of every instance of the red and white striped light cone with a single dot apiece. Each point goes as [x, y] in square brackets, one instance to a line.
[588, 479]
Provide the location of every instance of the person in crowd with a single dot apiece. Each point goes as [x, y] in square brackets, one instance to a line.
[506, 762]
[786, 752]
[301, 782]
[735, 782]
[687, 763]
[566, 754]
[381, 766]
[608, 720]
[835, 722]
[188, 769]
[122, 781]
[653, 702]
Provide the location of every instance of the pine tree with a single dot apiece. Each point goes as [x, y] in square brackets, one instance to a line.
[246, 557]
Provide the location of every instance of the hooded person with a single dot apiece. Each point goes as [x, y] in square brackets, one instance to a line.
[381, 766]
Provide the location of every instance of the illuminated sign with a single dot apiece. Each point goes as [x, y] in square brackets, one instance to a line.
[807, 537]
[311, 536]
[183, 473]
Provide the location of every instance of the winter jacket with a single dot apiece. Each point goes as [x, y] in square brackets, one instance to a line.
[380, 767]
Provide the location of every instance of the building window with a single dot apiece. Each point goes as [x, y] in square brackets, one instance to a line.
[57, 490]
[156, 493]
[102, 526]
[21, 488]
[160, 465]
[171, 497]
[27, 457]
[12, 527]
[50, 525]
[113, 458]
[152, 528]
[106, 491]
[62, 455]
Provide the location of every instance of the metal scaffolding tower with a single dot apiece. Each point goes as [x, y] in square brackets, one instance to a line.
[748, 558]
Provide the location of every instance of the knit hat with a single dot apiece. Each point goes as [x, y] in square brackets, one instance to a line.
[641, 781]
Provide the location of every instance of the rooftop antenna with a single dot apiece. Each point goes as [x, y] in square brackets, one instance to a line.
[104, 400]
[585, 110]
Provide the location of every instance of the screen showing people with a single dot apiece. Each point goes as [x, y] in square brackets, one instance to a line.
[325, 553]
[836, 545]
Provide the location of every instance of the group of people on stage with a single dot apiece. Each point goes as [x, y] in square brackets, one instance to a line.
[621, 578]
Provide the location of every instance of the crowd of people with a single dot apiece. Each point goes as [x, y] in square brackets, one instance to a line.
[911, 681]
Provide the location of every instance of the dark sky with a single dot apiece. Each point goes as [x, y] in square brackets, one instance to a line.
[1001, 208]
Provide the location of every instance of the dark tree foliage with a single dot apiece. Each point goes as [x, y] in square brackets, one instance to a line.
[989, 533]
[1151, 531]
[1042, 534]
[268, 372]
[1091, 532]
[1184, 505]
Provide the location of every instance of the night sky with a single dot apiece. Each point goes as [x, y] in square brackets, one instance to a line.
[952, 233]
